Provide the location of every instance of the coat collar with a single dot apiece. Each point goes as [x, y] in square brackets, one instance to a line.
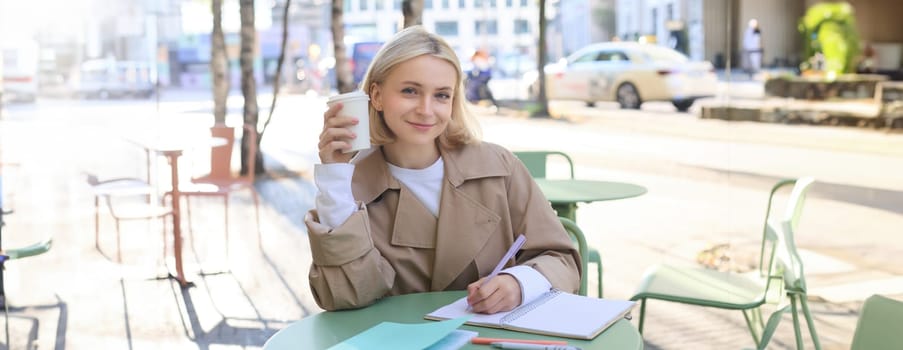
[473, 162]
[372, 177]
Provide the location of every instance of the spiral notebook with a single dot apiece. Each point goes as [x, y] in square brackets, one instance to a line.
[555, 313]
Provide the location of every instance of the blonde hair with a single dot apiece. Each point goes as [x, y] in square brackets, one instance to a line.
[410, 43]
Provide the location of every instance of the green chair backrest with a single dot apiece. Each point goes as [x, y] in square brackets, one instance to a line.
[577, 236]
[535, 161]
[788, 257]
[878, 327]
[778, 258]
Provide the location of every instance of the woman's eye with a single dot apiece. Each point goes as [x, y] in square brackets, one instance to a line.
[408, 91]
[443, 96]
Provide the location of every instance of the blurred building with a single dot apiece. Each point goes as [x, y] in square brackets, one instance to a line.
[714, 28]
[507, 29]
[498, 26]
[584, 22]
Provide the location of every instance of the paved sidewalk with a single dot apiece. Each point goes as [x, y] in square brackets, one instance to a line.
[78, 298]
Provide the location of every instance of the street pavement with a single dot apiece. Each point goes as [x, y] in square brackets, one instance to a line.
[707, 182]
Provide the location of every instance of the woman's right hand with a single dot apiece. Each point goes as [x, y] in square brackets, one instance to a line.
[336, 136]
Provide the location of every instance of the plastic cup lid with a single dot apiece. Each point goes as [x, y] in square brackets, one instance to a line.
[350, 96]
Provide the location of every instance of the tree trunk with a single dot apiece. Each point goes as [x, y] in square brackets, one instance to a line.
[542, 110]
[277, 78]
[413, 12]
[343, 77]
[219, 64]
[248, 83]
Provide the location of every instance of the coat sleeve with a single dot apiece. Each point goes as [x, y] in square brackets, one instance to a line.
[548, 249]
[347, 270]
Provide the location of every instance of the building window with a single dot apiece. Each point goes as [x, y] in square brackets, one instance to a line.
[493, 4]
[447, 28]
[462, 4]
[397, 4]
[654, 21]
[346, 6]
[509, 3]
[445, 4]
[523, 3]
[380, 5]
[486, 27]
[669, 12]
[427, 4]
[362, 5]
[521, 26]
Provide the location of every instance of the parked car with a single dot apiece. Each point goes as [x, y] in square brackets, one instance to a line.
[19, 70]
[113, 79]
[629, 73]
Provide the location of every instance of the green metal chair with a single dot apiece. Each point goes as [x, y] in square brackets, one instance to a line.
[19, 253]
[12, 254]
[535, 162]
[878, 327]
[577, 236]
[780, 271]
[792, 265]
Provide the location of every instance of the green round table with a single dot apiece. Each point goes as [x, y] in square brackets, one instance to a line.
[325, 329]
[564, 194]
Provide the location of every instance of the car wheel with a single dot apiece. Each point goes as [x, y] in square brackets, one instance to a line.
[628, 97]
[591, 104]
[683, 105]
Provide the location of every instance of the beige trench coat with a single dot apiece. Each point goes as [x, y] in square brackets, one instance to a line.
[394, 245]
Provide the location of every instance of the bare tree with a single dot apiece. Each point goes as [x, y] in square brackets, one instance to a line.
[413, 12]
[248, 84]
[277, 78]
[542, 100]
[342, 70]
[219, 64]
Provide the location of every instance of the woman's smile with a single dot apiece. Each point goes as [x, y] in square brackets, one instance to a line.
[421, 126]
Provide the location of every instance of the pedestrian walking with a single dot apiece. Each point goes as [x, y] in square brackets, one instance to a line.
[478, 79]
[752, 48]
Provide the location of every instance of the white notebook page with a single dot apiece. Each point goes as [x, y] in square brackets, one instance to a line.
[573, 314]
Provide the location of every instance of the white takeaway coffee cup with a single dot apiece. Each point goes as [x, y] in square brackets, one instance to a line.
[355, 104]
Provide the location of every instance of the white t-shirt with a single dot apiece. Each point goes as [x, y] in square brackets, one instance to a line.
[426, 184]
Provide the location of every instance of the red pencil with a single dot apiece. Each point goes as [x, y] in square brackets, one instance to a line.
[489, 341]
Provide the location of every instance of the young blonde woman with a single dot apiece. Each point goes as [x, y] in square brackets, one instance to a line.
[430, 207]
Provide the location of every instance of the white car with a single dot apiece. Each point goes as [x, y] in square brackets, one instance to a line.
[105, 78]
[19, 70]
[629, 73]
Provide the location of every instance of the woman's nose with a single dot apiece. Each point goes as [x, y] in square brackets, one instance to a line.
[423, 107]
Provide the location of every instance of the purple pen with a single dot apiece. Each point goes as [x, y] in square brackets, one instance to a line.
[519, 242]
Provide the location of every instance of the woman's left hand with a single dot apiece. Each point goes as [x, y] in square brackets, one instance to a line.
[501, 293]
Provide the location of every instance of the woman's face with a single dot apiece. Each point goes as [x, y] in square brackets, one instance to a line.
[416, 99]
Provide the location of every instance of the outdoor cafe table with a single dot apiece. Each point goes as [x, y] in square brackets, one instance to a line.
[564, 194]
[172, 149]
[325, 329]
